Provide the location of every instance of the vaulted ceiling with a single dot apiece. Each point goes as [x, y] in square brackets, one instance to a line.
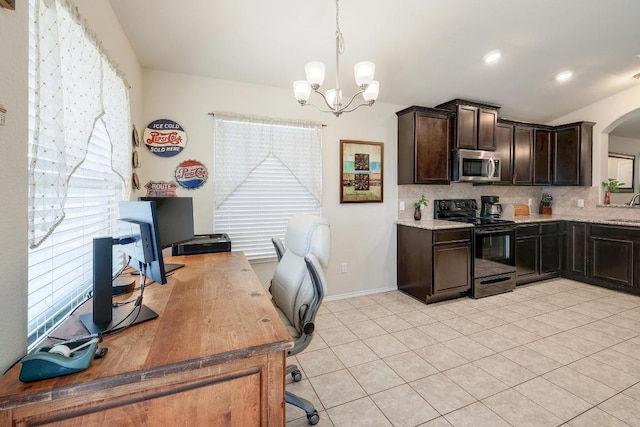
[426, 51]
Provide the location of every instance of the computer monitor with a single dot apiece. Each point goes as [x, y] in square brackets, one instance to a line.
[175, 222]
[175, 219]
[139, 238]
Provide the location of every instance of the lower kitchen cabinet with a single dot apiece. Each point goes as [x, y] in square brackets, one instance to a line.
[434, 265]
[538, 251]
[575, 248]
[614, 257]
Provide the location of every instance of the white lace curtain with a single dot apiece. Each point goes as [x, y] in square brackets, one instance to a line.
[243, 142]
[76, 85]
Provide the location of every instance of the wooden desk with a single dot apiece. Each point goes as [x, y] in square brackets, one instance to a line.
[214, 357]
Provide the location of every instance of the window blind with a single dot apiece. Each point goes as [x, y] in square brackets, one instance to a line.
[79, 158]
[260, 207]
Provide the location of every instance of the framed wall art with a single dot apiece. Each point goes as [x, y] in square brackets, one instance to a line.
[361, 178]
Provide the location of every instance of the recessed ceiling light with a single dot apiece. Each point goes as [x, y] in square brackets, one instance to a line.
[563, 76]
[493, 56]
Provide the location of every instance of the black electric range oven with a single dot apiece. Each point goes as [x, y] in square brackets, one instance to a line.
[493, 247]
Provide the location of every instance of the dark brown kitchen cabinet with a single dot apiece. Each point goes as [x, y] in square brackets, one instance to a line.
[504, 148]
[538, 252]
[614, 257]
[434, 265]
[522, 155]
[475, 124]
[424, 144]
[542, 157]
[572, 154]
[575, 251]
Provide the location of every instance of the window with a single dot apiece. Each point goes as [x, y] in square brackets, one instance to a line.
[265, 172]
[79, 159]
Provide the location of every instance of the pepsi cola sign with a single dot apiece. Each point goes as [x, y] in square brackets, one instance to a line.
[165, 137]
[191, 174]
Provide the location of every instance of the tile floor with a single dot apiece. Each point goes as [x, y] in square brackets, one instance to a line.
[553, 353]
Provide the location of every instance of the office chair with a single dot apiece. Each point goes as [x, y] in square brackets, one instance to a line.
[298, 287]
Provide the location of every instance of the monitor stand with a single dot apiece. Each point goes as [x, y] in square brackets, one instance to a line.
[122, 318]
[168, 268]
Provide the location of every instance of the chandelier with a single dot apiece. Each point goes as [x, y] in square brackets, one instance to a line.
[314, 71]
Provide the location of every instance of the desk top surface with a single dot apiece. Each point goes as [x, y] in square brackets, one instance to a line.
[213, 309]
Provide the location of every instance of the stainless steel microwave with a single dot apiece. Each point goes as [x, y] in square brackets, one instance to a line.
[475, 166]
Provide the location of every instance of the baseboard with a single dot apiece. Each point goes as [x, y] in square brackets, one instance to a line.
[360, 293]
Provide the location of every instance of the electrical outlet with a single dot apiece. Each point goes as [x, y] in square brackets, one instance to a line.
[401, 206]
[344, 267]
[530, 202]
[581, 203]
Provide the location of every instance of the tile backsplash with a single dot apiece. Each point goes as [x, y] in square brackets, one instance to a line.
[565, 199]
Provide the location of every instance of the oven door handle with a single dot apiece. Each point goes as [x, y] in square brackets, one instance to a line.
[482, 232]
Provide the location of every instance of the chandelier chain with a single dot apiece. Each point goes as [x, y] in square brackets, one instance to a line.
[339, 38]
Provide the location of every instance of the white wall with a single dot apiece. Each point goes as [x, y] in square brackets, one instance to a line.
[363, 235]
[13, 175]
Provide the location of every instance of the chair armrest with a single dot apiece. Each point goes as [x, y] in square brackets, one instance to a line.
[279, 247]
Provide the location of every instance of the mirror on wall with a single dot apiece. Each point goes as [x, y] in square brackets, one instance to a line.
[622, 168]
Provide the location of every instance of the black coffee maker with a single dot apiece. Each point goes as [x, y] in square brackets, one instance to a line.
[490, 207]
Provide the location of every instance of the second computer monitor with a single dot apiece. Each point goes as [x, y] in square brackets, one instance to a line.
[175, 219]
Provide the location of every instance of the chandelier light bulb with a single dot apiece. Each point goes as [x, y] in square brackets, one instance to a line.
[314, 71]
[364, 72]
[371, 92]
[334, 98]
[302, 90]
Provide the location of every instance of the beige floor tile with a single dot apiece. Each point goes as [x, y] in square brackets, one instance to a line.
[606, 374]
[596, 418]
[531, 359]
[623, 321]
[319, 362]
[403, 406]
[526, 310]
[540, 304]
[614, 330]
[441, 357]
[400, 307]
[418, 318]
[392, 323]
[438, 422]
[634, 392]
[338, 335]
[375, 376]
[519, 410]
[552, 319]
[410, 366]
[338, 305]
[590, 309]
[440, 332]
[414, 338]
[468, 348]
[629, 348]
[485, 319]
[493, 340]
[505, 314]
[376, 311]
[590, 333]
[553, 350]
[475, 415]
[539, 328]
[354, 353]
[326, 320]
[575, 316]
[362, 301]
[359, 413]
[624, 408]
[439, 312]
[553, 398]
[337, 388]
[366, 329]
[516, 334]
[505, 369]
[348, 317]
[580, 385]
[574, 342]
[475, 381]
[618, 360]
[317, 343]
[463, 325]
[460, 306]
[442, 393]
[385, 345]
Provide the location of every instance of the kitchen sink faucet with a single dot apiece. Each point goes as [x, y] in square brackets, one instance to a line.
[633, 199]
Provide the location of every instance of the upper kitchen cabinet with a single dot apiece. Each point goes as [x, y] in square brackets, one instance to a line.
[542, 156]
[424, 145]
[504, 149]
[572, 154]
[475, 124]
[522, 155]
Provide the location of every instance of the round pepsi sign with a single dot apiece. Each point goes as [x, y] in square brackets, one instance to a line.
[165, 137]
[191, 174]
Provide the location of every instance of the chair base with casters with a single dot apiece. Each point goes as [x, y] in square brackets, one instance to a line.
[297, 289]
